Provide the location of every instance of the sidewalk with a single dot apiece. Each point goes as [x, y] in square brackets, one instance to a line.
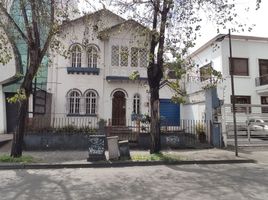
[78, 159]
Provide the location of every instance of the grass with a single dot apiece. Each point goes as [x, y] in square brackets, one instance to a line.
[22, 159]
[156, 157]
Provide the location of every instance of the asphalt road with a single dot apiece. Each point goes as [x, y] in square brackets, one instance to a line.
[204, 182]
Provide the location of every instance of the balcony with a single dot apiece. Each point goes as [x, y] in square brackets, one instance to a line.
[197, 83]
[83, 70]
[124, 79]
[262, 85]
[262, 80]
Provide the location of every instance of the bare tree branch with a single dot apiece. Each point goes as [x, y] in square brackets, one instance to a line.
[51, 31]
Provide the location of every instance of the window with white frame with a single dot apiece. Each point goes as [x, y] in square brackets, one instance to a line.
[143, 57]
[124, 56]
[134, 56]
[74, 102]
[136, 104]
[91, 102]
[120, 56]
[115, 55]
[138, 57]
[92, 57]
[76, 56]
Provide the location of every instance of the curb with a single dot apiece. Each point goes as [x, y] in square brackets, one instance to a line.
[119, 164]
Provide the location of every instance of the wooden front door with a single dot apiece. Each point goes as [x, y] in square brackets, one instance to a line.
[119, 109]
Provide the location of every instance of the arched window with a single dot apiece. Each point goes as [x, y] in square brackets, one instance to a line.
[76, 56]
[92, 57]
[91, 102]
[74, 102]
[136, 104]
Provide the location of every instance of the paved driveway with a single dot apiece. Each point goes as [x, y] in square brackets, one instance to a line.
[187, 182]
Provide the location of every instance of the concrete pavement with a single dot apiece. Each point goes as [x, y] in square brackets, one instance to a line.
[191, 182]
[77, 159]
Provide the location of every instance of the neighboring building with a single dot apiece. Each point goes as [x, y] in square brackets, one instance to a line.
[250, 61]
[11, 77]
[93, 81]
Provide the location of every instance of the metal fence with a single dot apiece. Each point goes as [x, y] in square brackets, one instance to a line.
[252, 124]
[190, 132]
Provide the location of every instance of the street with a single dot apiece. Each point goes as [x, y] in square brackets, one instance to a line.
[206, 182]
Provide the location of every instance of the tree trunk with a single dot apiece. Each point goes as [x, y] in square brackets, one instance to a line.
[155, 121]
[17, 143]
[26, 86]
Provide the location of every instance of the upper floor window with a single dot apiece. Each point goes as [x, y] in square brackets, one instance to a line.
[205, 72]
[134, 56]
[76, 56]
[74, 98]
[240, 67]
[263, 70]
[136, 104]
[92, 57]
[143, 57]
[138, 57]
[115, 55]
[91, 102]
[124, 56]
[120, 56]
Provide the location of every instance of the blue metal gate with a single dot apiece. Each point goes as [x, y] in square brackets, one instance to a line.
[169, 113]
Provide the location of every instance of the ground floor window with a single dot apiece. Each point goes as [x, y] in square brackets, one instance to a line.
[264, 101]
[136, 104]
[81, 104]
[242, 100]
[74, 102]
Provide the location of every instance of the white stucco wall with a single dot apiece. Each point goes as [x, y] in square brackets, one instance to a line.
[219, 57]
[60, 82]
[2, 111]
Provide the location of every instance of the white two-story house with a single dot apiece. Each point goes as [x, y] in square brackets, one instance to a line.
[94, 82]
[250, 64]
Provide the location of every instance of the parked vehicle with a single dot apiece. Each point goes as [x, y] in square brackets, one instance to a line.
[259, 125]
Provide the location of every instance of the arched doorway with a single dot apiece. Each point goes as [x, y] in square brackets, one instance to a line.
[119, 109]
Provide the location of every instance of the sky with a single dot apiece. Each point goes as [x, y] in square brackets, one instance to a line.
[209, 30]
[258, 17]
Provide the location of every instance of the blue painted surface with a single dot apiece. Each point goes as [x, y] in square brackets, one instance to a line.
[83, 70]
[169, 113]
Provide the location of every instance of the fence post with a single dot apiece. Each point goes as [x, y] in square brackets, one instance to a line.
[248, 127]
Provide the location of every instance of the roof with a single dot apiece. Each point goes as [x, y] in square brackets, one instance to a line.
[233, 37]
[104, 33]
[99, 12]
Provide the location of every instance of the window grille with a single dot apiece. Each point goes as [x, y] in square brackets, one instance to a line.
[115, 56]
[134, 57]
[143, 57]
[136, 104]
[124, 56]
[76, 56]
[92, 57]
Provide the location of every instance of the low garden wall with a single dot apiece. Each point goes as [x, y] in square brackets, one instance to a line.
[56, 141]
[169, 140]
[79, 141]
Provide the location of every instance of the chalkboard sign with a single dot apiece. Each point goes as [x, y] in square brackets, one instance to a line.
[96, 149]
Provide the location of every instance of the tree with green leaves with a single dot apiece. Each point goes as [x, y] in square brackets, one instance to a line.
[31, 25]
[174, 24]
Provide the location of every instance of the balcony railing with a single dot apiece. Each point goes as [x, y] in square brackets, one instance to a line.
[83, 70]
[262, 80]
